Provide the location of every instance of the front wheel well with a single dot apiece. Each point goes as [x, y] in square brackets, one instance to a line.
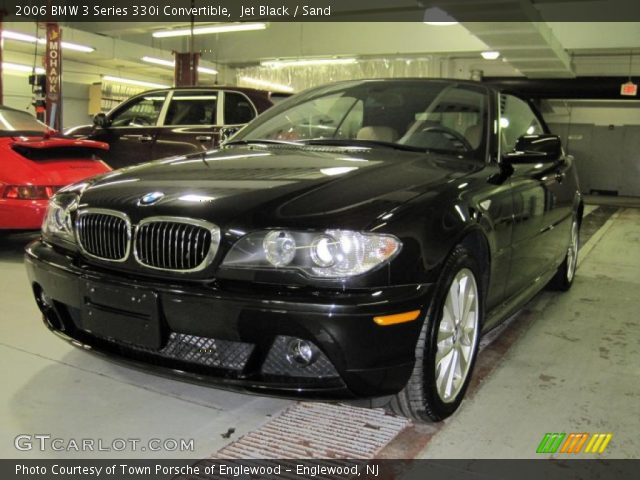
[478, 245]
[580, 212]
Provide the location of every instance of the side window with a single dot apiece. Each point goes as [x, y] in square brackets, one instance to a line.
[140, 112]
[516, 119]
[192, 108]
[237, 109]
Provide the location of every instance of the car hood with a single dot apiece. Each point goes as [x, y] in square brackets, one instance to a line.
[261, 187]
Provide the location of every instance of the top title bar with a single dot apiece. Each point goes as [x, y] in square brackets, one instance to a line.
[217, 11]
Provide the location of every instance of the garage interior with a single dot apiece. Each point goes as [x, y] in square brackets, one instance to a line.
[568, 363]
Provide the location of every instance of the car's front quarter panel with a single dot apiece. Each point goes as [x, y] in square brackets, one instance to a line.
[431, 225]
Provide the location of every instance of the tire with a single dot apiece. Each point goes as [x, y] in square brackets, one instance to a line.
[425, 397]
[563, 279]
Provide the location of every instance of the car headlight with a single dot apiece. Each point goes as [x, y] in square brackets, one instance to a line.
[58, 221]
[328, 254]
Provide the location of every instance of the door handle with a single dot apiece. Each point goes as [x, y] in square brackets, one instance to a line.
[560, 177]
[145, 138]
[204, 138]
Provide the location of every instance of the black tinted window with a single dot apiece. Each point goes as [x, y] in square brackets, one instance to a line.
[139, 112]
[237, 109]
[192, 108]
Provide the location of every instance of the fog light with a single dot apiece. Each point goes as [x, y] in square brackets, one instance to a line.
[300, 352]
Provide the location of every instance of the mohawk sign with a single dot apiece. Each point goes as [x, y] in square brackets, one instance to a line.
[53, 72]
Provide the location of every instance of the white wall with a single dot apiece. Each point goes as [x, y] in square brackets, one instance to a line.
[75, 99]
[597, 113]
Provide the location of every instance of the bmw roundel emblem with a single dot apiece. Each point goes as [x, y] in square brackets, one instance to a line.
[150, 198]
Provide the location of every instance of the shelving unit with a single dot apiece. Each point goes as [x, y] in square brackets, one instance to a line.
[103, 96]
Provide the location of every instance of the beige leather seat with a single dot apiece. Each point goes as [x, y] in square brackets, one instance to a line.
[378, 133]
[473, 134]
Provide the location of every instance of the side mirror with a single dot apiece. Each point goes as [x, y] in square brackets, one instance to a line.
[227, 132]
[101, 120]
[535, 149]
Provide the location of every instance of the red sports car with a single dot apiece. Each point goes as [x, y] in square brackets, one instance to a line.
[34, 163]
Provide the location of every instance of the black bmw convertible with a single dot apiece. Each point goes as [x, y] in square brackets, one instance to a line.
[354, 241]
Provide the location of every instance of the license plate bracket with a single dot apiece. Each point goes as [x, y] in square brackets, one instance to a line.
[129, 315]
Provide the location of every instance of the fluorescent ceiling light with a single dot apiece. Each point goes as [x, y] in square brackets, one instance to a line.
[221, 28]
[437, 17]
[267, 84]
[23, 37]
[71, 46]
[21, 68]
[172, 63]
[441, 24]
[210, 71]
[490, 55]
[130, 81]
[307, 61]
[159, 61]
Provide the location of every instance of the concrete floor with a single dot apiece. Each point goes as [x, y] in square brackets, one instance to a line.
[52, 388]
[573, 367]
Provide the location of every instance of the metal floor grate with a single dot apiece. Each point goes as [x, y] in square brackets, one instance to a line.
[319, 430]
[326, 432]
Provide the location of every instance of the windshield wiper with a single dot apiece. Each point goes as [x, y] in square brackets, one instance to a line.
[361, 143]
[262, 141]
[331, 142]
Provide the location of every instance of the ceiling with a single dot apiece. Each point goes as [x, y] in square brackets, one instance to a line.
[534, 48]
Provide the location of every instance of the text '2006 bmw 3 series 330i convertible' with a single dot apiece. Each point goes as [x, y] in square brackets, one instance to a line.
[355, 241]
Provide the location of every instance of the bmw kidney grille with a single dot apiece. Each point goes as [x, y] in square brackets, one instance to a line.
[162, 243]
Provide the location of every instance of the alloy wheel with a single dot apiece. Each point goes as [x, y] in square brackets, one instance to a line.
[572, 252]
[457, 334]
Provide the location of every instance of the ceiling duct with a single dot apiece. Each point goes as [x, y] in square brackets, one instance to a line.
[516, 29]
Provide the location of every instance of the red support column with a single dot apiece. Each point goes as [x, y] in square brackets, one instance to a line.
[53, 72]
[186, 69]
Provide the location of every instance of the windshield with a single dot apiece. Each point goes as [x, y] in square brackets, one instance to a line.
[423, 115]
[19, 123]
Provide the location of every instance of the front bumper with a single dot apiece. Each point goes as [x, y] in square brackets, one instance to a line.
[232, 336]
